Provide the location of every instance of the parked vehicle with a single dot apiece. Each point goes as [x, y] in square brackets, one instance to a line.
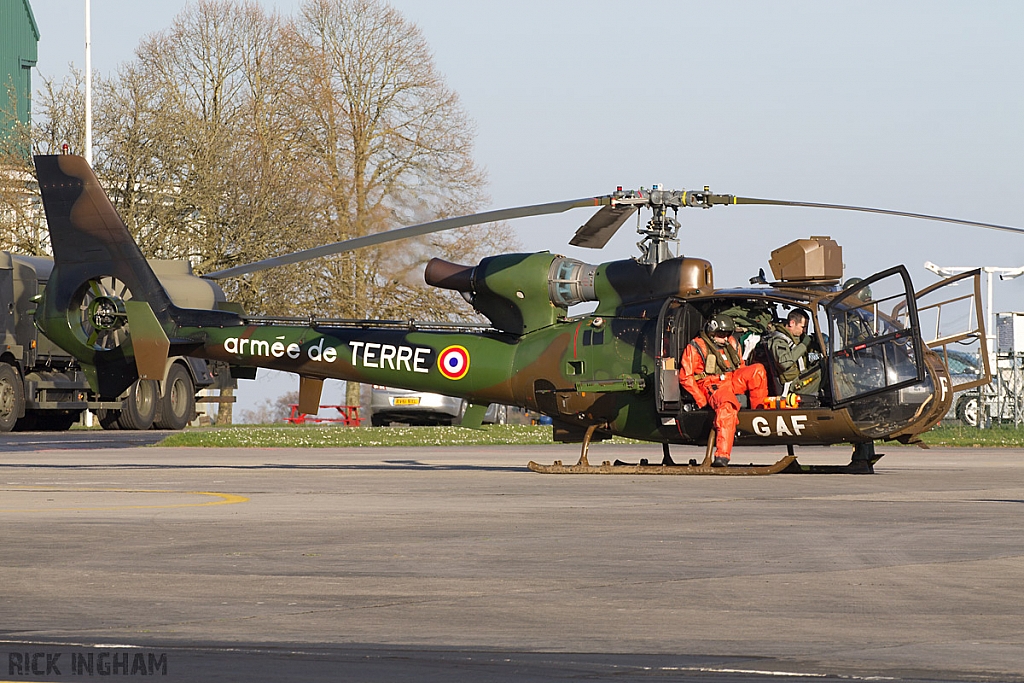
[388, 405]
[43, 387]
[999, 399]
[963, 367]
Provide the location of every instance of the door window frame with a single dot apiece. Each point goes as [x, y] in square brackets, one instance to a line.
[910, 332]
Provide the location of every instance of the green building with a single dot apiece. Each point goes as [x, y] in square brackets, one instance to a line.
[19, 37]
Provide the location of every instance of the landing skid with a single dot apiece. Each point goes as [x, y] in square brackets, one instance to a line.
[644, 467]
[862, 462]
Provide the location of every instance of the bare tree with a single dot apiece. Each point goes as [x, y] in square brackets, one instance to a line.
[61, 127]
[390, 145]
[236, 135]
[129, 131]
[19, 225]
[196, 149]
[59, 123]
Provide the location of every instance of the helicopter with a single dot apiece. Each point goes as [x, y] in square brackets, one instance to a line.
[613, 371]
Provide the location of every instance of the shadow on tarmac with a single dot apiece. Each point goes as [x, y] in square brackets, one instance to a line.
[299, 663]
[387, 465]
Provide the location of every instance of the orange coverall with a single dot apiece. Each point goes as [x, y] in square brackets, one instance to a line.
[720, 389]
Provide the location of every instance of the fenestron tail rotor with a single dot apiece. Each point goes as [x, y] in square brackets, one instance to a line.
[98, 315]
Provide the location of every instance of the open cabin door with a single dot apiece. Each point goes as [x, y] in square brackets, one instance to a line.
[951, 319]
[678, 323]
[875, 343]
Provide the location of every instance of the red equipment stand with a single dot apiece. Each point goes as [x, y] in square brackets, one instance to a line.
[347, 416]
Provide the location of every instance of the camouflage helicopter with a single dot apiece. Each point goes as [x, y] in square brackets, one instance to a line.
[612, 371]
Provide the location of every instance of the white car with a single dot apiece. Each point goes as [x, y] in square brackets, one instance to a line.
[388, 405]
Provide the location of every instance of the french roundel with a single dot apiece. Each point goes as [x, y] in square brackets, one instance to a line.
[453, 362]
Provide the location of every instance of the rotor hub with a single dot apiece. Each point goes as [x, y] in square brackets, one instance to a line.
[107, 313]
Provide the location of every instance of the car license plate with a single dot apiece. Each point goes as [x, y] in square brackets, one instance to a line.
[413, 401]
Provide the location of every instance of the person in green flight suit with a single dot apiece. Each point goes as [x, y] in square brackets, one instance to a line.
[789, 345]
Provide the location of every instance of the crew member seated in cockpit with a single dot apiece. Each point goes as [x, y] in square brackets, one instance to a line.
[789, 345]
[712, 370]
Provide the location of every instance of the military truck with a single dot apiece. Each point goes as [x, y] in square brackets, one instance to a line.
[42, 387]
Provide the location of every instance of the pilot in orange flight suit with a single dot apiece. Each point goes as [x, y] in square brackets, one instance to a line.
[712, 371]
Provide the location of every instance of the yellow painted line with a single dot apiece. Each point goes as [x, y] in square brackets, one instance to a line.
[223, 499]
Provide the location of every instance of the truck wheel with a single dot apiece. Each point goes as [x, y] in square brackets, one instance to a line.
[139, 408]
[177, 407]
[12, 397]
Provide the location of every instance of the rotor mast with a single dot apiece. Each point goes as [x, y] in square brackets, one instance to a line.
[662, 228]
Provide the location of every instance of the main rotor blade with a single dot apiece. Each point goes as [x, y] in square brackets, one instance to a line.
[865, 209]
[596, 232]
[409, 231]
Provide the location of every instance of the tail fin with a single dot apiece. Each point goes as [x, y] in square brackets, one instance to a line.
[88, 238]
[103, 303]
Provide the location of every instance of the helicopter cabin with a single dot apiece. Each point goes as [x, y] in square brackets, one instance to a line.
[864, 351]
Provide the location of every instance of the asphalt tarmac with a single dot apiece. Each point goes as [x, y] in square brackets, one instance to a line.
[458, 564]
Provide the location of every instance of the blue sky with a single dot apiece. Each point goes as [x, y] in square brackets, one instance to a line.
[915, 106]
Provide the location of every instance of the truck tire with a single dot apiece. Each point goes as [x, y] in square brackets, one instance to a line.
[177, 407]
[139, 408]
[12, 397]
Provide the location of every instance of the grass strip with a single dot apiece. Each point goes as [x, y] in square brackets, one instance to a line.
[962, 436]
[315, 436]
[319, 436]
